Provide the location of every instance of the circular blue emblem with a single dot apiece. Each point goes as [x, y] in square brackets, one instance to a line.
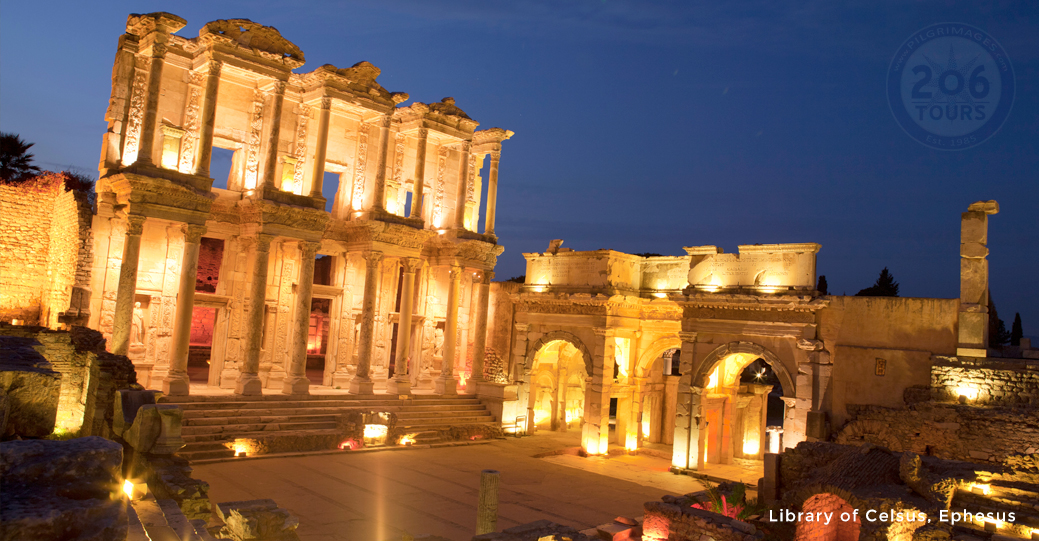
[950, 86]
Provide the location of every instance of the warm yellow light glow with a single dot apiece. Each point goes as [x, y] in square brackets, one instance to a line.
[538, 289]
[645, 426]
[979, 488]
[462, 378]
[407, 439]
[968, 391]
[128, 488]
[375, 431]
[712, 382]
[631, 442]
[240, 449]
[660, 295]
[751, 447]
[710, 289]
[574, 414]
[768, 289]
[591, 446]
[540, 416]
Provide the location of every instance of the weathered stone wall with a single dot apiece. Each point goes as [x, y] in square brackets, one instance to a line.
[89, 375]
[500, 317]
[989, 381]
[41, 248]
[671, 522]
[973, 434]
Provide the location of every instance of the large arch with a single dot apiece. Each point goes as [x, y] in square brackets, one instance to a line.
[532, 350]
[703, 371]
[655, 350]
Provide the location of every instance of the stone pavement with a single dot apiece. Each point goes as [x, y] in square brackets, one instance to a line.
[380, 496]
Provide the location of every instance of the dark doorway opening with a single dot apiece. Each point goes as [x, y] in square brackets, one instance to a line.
[317, 339]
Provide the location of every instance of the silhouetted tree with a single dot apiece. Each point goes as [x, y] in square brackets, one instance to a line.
[823, 287]
[518, 279]
[15, 160]
[997, 329]
[78, 182]
[1015, 330]
[649, 254]
[886, 286]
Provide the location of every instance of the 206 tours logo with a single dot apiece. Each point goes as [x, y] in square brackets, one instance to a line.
[950, 86]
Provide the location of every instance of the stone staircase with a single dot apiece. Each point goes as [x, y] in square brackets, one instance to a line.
[210, 421]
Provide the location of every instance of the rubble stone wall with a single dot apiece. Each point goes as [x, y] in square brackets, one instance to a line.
[988, 381]
[955, 432]
[40, 249]
[500, 317]
[667, 521]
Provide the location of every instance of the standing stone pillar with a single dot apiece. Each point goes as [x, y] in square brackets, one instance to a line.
[974, 294]
[124, 300]
[487, 507]
[379, 203]
[362, 382]
[420, 173]
[322, 148]
[176, 382]
[401, 382]
[151, 110]
[248, 377]
[687, 445]
[273, 135]
[463, 182]
[561, 378]
[595, 435]
[480, 340]
[208, 124]
[446, 383]
[492, 191]
[296, 382]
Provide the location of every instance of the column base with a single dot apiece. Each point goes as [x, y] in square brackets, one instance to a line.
[176, 384]
[295, 385]
[362, 386]
[399, 386]
[248, 385]
[341, 380]
[446, 386]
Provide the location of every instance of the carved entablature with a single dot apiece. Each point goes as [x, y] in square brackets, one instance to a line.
[448, 113]
[362, 235]
[282, 219]
[143, 24]
[489, 140]
[470, 253]
[263, 41]
[781, 309]
[154, 197]
[358, 80]
[535, 304]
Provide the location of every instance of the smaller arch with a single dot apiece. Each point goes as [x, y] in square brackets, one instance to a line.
[703, 371]
[565, 336]
[654, 351]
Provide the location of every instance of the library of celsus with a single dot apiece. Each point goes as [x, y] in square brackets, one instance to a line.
[276, 292]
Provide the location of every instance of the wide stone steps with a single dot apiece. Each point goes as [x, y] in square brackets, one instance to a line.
[210, 422]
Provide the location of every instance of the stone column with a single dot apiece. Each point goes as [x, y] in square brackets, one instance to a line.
[687, 445]
[124, 300]
[595, 434]
[248, 377]
[401, 382]
[379, 199]
[463, 181]
[420, 173]
[362, 382]
[273, 135]
[561, 378]
[480, 340]
[487, 505]
[446, 384]
[151, 110]
[974, 294]
[296, 381]
[322, 148]
[492, 192]
[176, 382]
[208, 124]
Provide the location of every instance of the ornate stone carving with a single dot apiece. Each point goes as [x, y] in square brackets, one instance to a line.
[470, 187]
[360, 166]
[264, 41]
[135, 224]
[191, 111]
[398, 159]
[135, 118]
[300, 150]
[438, 189]
[193, 233]
[252, 159]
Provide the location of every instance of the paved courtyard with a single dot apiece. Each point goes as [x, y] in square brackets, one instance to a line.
[379, 496]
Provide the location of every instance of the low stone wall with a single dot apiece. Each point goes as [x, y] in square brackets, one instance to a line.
[956, 432]
[89, 375]
[672, 522]
[989, 381]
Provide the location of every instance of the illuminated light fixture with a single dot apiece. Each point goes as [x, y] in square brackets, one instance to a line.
[660, 295]
[978, 488]
[375, 434]
[591, 446]
[349, 445]
[128, 488]
[631, 442]
[538, 289]
[751, 447]
[441, 231]
[768, 289]
[1035, 535]
[967, 391]
[240, 449]
[645, 427]
[407, 439]
[462, 379]
[710, 288]
[135, 490]
[760, 375]
[773, 443]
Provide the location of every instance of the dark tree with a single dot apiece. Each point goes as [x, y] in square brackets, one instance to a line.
[518, 279]
[15, 160]
[1015, 330]
[78, 182]
[649, 254]
[998, 335]
[823, 288]
[886, 286]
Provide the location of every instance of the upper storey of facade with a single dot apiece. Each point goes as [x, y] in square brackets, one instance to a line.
[234, 87]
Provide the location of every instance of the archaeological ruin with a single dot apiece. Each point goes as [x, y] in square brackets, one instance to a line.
[193, 319]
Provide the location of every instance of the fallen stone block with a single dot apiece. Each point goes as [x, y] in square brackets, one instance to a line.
[257, 520]
[31, 388]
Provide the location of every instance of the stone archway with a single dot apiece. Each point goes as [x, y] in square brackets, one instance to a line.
[703, 371]
[528, 362]
[657, 392]
[552, 363]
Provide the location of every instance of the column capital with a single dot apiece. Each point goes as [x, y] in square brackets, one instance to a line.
[373, 257]
[326, 103]
[465, 146]
[600, 331]
[309, 248]
[193, 233]
[521, 327]
[262, 242]
[486, 277]
[495, 155]
[455, 272]
[279, 87]
[215, 66]
[687, 336]
[135, 224]
[159, 50]
[411, 264]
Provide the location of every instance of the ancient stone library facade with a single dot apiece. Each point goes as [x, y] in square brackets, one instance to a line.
[256, 286]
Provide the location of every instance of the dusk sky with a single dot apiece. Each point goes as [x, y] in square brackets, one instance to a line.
[640, 127]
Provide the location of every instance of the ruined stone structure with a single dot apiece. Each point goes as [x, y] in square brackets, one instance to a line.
[246, 287]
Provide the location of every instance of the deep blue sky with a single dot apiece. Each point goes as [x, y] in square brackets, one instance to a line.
[641, 127]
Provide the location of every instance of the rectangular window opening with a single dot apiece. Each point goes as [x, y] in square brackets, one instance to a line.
[220, 166]
[329, 188]
[323, 270]
[210, 256]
